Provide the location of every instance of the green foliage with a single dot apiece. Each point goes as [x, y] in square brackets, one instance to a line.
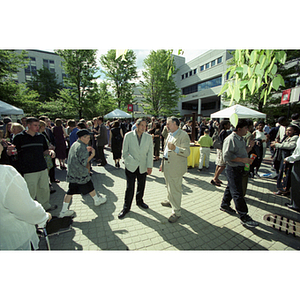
[254, 71]
[106, 102]
[158, 88]
[45, 83]
[81, 67]
[120, 73]
[10, 91]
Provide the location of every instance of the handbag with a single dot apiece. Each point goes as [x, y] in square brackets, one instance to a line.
[217, 143]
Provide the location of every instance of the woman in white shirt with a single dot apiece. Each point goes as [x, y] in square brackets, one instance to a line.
[295, 178]
[18, 212]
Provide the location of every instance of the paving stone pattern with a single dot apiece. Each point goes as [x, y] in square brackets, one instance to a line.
[202, 225]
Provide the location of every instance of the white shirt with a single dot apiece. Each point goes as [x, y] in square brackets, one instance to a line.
[296, 154]
[18, 212]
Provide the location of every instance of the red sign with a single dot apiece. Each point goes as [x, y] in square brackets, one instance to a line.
[129, 107]
[285, 98]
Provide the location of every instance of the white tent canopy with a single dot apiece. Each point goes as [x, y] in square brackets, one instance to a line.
[242, 112]
[117, 113]
[7, 109]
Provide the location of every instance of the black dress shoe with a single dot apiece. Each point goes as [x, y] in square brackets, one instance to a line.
[291, 207]
[122, 214]
[143, 205]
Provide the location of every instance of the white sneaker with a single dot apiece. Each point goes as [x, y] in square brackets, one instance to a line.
[66, 213]
[100, 200]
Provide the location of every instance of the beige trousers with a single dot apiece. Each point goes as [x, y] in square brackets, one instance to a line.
[204, 157]
[174, 188]
[38, 186]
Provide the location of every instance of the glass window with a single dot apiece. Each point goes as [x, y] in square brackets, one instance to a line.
[182, 76]
[186, 75]
[202, 68]
[210, 83]
[191, 73]
[195, 71]
[219, 60]
[45, 63]
[207, 66]
[213, 63]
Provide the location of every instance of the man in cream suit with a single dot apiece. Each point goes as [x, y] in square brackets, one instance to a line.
[138, 159]
[174, 165]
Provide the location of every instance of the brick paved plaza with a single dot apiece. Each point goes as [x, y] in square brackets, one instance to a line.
[202, 225]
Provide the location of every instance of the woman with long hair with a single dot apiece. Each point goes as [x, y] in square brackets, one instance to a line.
[220, 163]
[116, 141]
[155, 132]
[60, 147]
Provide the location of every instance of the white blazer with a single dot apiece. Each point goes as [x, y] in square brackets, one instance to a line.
[136, 155]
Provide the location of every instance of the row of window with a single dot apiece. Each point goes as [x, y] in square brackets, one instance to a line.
[203, 67]
[194, 106]
[31, 68]
[208, 84]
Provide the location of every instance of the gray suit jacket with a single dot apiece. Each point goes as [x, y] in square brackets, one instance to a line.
[102, 138]
[136, 155]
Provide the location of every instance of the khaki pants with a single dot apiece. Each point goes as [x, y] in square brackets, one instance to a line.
[174, 188]
[204, 156]
[38, 186]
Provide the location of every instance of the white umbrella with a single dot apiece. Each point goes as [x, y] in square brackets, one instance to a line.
[241, 111]
[117, 113]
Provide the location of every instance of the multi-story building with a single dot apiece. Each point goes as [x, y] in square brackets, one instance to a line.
[39, 59]
[200, 81]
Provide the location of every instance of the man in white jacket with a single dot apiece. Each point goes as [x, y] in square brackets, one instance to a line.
[138, 159]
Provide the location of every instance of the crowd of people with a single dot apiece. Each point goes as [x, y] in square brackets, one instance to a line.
[33, 148]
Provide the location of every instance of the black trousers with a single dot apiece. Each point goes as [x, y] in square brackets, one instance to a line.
[141, 182]
[101, 155]
[234, 190]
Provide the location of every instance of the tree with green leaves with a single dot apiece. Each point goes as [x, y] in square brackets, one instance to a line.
[254, 71]
[160, 92]
[106, 102]
[11, 91]
[81, 67]
[120, 72]
[46, 84]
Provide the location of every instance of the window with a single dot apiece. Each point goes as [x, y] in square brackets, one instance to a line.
[213, 63]
[189, 89]
[46, 63]
[207, 66]
[189, 106]
[31, 68]
[195, 71]
[182, 76]
[208, 84]
[191, 73]
[202, 68]
[219, 60]
[186, 75]
[209, 105]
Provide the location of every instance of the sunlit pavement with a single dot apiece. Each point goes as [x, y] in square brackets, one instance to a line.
[202, 225]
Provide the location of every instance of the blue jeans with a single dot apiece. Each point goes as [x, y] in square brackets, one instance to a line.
[141, 180]
[234, 190]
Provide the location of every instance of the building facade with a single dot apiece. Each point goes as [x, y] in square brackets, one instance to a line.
[200, 81]
[37, 60]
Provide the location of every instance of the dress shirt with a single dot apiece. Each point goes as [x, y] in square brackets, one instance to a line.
[296, 154]
[234, 146]
[205, 141]
[170, 139]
